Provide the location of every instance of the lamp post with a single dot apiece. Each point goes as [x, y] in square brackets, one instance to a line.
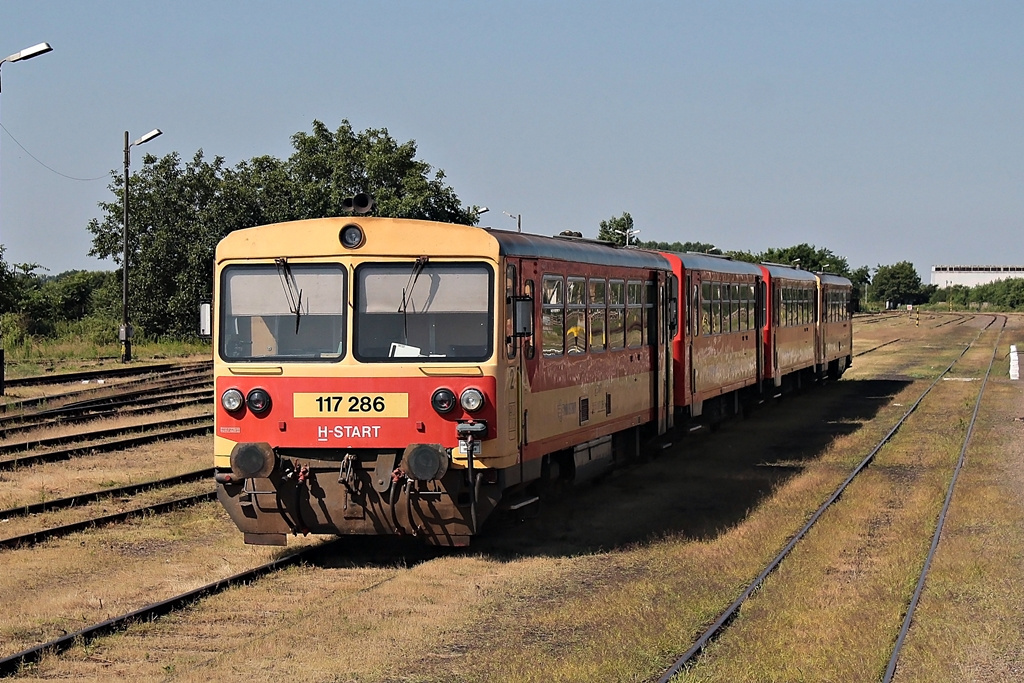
[628, 233]
[125, 334]
[27, 53]
[519, 220]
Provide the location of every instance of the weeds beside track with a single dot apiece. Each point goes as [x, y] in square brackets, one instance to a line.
[716, 628]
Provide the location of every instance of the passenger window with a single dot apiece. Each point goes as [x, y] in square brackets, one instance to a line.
[597, 315]
[553, 312]
[705, 316]
[576, 316]
[616, 315]
[634, 315]
[651, 327]
[511, 287]
[716, 308]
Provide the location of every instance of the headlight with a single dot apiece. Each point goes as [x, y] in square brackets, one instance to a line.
[443, 401]
[231, 400]
[472, 400]
[351, 237]
[258, 401]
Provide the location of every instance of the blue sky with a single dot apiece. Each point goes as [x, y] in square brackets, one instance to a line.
[885, 131]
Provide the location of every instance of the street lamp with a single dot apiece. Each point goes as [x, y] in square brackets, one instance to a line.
[27, 53]
[519, 220]
[628, 232]
[125, 334]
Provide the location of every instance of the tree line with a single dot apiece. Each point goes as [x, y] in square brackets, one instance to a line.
[181, 209]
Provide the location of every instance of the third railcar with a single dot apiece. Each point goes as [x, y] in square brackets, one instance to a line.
[748, 330]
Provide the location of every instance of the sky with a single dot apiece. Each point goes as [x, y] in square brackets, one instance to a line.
[885, 131]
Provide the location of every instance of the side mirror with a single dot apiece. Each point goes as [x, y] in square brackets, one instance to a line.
[205, 320]
[523, 317]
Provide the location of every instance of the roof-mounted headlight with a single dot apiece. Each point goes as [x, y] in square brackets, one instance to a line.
[351, 236]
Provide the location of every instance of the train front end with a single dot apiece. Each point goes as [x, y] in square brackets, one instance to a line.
[356, 379]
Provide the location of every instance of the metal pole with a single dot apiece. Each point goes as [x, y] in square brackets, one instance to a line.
[3, 359]
[126, 335]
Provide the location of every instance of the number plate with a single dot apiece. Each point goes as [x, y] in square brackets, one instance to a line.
[350, 405]
[477, 448]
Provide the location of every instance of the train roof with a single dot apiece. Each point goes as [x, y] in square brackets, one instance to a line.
[318, 237]
[833, 279]
[789, 272]
[525, 245]
[692, 260]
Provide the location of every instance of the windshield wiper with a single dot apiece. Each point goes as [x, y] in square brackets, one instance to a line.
[417, 268]
[291, 289]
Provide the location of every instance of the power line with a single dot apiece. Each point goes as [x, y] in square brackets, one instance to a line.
[52, 170]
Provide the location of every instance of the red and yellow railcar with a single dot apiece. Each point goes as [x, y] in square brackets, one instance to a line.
[717, 347]
[835, 326]
[389, 376]
[790, 330]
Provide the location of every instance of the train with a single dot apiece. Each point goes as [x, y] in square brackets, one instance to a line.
[388, 376]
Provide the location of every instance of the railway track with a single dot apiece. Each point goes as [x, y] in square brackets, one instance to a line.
[178, 428]
[33, 537]
[19, 660]
[95, 396]
[160, 402]
[874, 348]
[12, 664]
[107, 373]
[93, 496]
[890, 670]
[732, 611]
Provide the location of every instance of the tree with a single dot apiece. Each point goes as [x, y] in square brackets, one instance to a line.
[10, 285]
[682, 247]
[329, 167]
[897, 284]
[179, 213]
[617, 229]
[808, 257]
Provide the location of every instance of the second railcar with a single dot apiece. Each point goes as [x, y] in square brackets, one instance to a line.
[717, 348]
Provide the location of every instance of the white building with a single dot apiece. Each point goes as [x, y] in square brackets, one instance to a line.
[972, 276]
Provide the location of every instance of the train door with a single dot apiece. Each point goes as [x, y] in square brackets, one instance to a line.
[697, 316]
[659, 301]
[768, 308]
[759, 326]
[520, 354]
[516, 348]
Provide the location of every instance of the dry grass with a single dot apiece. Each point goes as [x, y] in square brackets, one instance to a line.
[612, 582]
[969, 623]
[546, 588]
[39, 483]
[69, 583]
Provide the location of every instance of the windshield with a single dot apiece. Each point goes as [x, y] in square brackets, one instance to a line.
[283, 311]
[422, 309]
